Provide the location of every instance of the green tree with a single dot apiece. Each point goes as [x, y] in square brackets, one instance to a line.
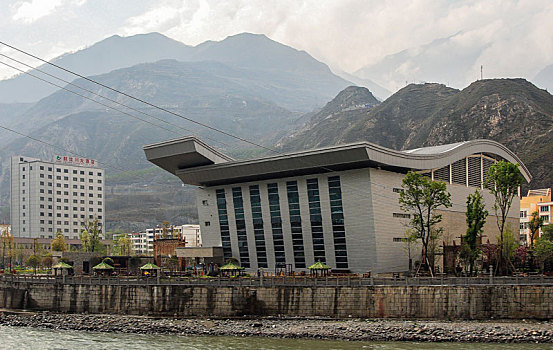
[165, 229]
[90, 236]
[47, 261]
[421, 197]
[547, 232]
[58, 243]
[534, 225]
[503, 180]
[476, 218]
[410, 238]
[123, 245]
[7, 246]
[33, 261]
[543, 250]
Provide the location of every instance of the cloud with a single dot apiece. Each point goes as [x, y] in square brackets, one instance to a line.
[509, 37]
[29, 12]
[349, 34]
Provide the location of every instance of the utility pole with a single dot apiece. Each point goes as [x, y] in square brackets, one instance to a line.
[481, 72]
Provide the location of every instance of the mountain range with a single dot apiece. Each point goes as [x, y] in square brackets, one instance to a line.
[256, 89]
[513, 112]
[246, 85]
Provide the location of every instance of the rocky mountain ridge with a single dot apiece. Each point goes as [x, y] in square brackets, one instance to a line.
[513, 112]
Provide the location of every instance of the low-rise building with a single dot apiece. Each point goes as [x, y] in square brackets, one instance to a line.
[143, 242]
[536, 200]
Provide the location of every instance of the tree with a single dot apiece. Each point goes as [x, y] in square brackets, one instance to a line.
[534, 225]
[33, 261]
[90, 236]
[165, 227]
[48, 261]
[123, 245]
[503, 180]
[476, 218]
[508, 245]
[58, 243]
[421, 197]
[409, 242]
[543, 250]
[84, 236]
[7, 246]
[547, 232]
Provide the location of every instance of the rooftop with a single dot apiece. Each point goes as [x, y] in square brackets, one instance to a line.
[196, 163]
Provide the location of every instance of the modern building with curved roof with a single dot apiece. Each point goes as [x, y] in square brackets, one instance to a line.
[338, 205]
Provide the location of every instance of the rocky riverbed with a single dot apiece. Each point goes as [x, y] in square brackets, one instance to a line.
[354, 329]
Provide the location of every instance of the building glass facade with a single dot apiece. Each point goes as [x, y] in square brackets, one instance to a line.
[295, 224]
[258, 231]
[276, 224]
[316, 219]
[223, 223]
[338, 227]
[241, 234]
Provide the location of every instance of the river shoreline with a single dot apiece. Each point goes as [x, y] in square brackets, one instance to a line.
[348, 330]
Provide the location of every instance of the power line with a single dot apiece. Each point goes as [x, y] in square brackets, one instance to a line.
[142, 101]
[86, 97]
[57, 147]
[99, 95]
[358, 190]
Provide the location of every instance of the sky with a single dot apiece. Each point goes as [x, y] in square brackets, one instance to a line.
[510, 38]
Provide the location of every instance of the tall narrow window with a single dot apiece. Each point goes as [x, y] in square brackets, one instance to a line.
[223, 223]
[276, 225]
[295, 223]
[241, 235]
[338, 228]
[259, 233]
[316, 219]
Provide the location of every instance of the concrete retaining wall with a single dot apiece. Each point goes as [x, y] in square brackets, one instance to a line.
[413, 302]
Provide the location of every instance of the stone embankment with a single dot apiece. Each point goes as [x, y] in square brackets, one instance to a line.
[351, 330]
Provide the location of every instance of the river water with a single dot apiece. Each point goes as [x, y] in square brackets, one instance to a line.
[16, 338]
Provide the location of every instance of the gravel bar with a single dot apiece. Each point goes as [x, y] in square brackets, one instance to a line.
[350, 330]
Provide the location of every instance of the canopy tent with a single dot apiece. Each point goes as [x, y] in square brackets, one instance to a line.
[103, 268]
[231, 268]
[61, 266]
[150, 266]
[150, 269]
[319, 267]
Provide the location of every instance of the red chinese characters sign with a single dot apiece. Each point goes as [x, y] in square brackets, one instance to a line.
[73, 160]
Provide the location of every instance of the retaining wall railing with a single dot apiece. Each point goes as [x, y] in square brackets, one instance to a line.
[295, 281]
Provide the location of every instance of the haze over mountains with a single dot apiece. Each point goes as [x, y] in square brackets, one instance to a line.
[251, 51]
[257, 89]
[247, 85]
[455, 61]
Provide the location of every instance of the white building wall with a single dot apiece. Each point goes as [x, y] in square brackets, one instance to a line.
[57, 197]
[369, 203]
[358, 220]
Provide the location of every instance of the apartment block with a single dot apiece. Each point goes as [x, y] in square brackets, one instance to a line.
[47, 197]
[536, 200]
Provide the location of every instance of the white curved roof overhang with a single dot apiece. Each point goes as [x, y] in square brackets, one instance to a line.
[220, 171]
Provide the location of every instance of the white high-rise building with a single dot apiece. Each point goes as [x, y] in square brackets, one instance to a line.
[51, 196]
